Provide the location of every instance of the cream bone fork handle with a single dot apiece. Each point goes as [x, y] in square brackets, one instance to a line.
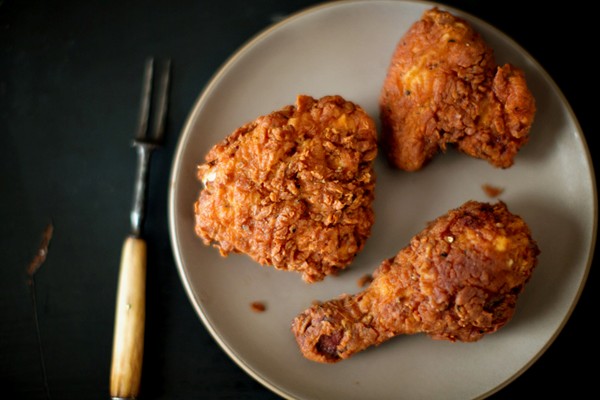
[130, 310]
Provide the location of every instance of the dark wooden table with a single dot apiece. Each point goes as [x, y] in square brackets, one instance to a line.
[69, 88]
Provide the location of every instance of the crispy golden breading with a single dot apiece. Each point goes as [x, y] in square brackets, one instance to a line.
[293, 189]
[458, 279]
[443, 87]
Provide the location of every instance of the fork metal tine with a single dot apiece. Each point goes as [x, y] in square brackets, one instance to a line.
[142, 127]
[155, 102]
[161, 113]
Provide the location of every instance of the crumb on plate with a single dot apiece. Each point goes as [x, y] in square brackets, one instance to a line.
[492, 191]
[258, 306]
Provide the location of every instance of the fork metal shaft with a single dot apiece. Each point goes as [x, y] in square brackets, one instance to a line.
[144, 151]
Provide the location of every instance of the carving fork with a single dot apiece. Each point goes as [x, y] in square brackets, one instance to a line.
[130, 313]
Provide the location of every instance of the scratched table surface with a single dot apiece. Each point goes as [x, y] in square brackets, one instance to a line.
[70, 76]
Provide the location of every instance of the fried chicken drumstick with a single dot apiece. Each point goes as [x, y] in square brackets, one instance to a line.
[457, 280]
[443, 87]
[293, 189]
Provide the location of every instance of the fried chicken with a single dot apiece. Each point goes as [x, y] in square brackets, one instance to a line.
[458, 280]
[442, 87]
[293, 189]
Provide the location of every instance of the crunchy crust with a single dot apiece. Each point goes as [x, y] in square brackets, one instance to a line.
[443, 87]
[458, 279]
[293, 189]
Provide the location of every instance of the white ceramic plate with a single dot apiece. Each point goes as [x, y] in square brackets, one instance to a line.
[344, 48]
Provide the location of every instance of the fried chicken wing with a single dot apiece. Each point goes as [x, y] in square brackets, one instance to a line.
[457, 280]
[293, 189]
[442, 87]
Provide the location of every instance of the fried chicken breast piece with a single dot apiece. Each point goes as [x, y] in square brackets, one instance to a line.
[458, 280]
[442, 87]
[293, 189]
